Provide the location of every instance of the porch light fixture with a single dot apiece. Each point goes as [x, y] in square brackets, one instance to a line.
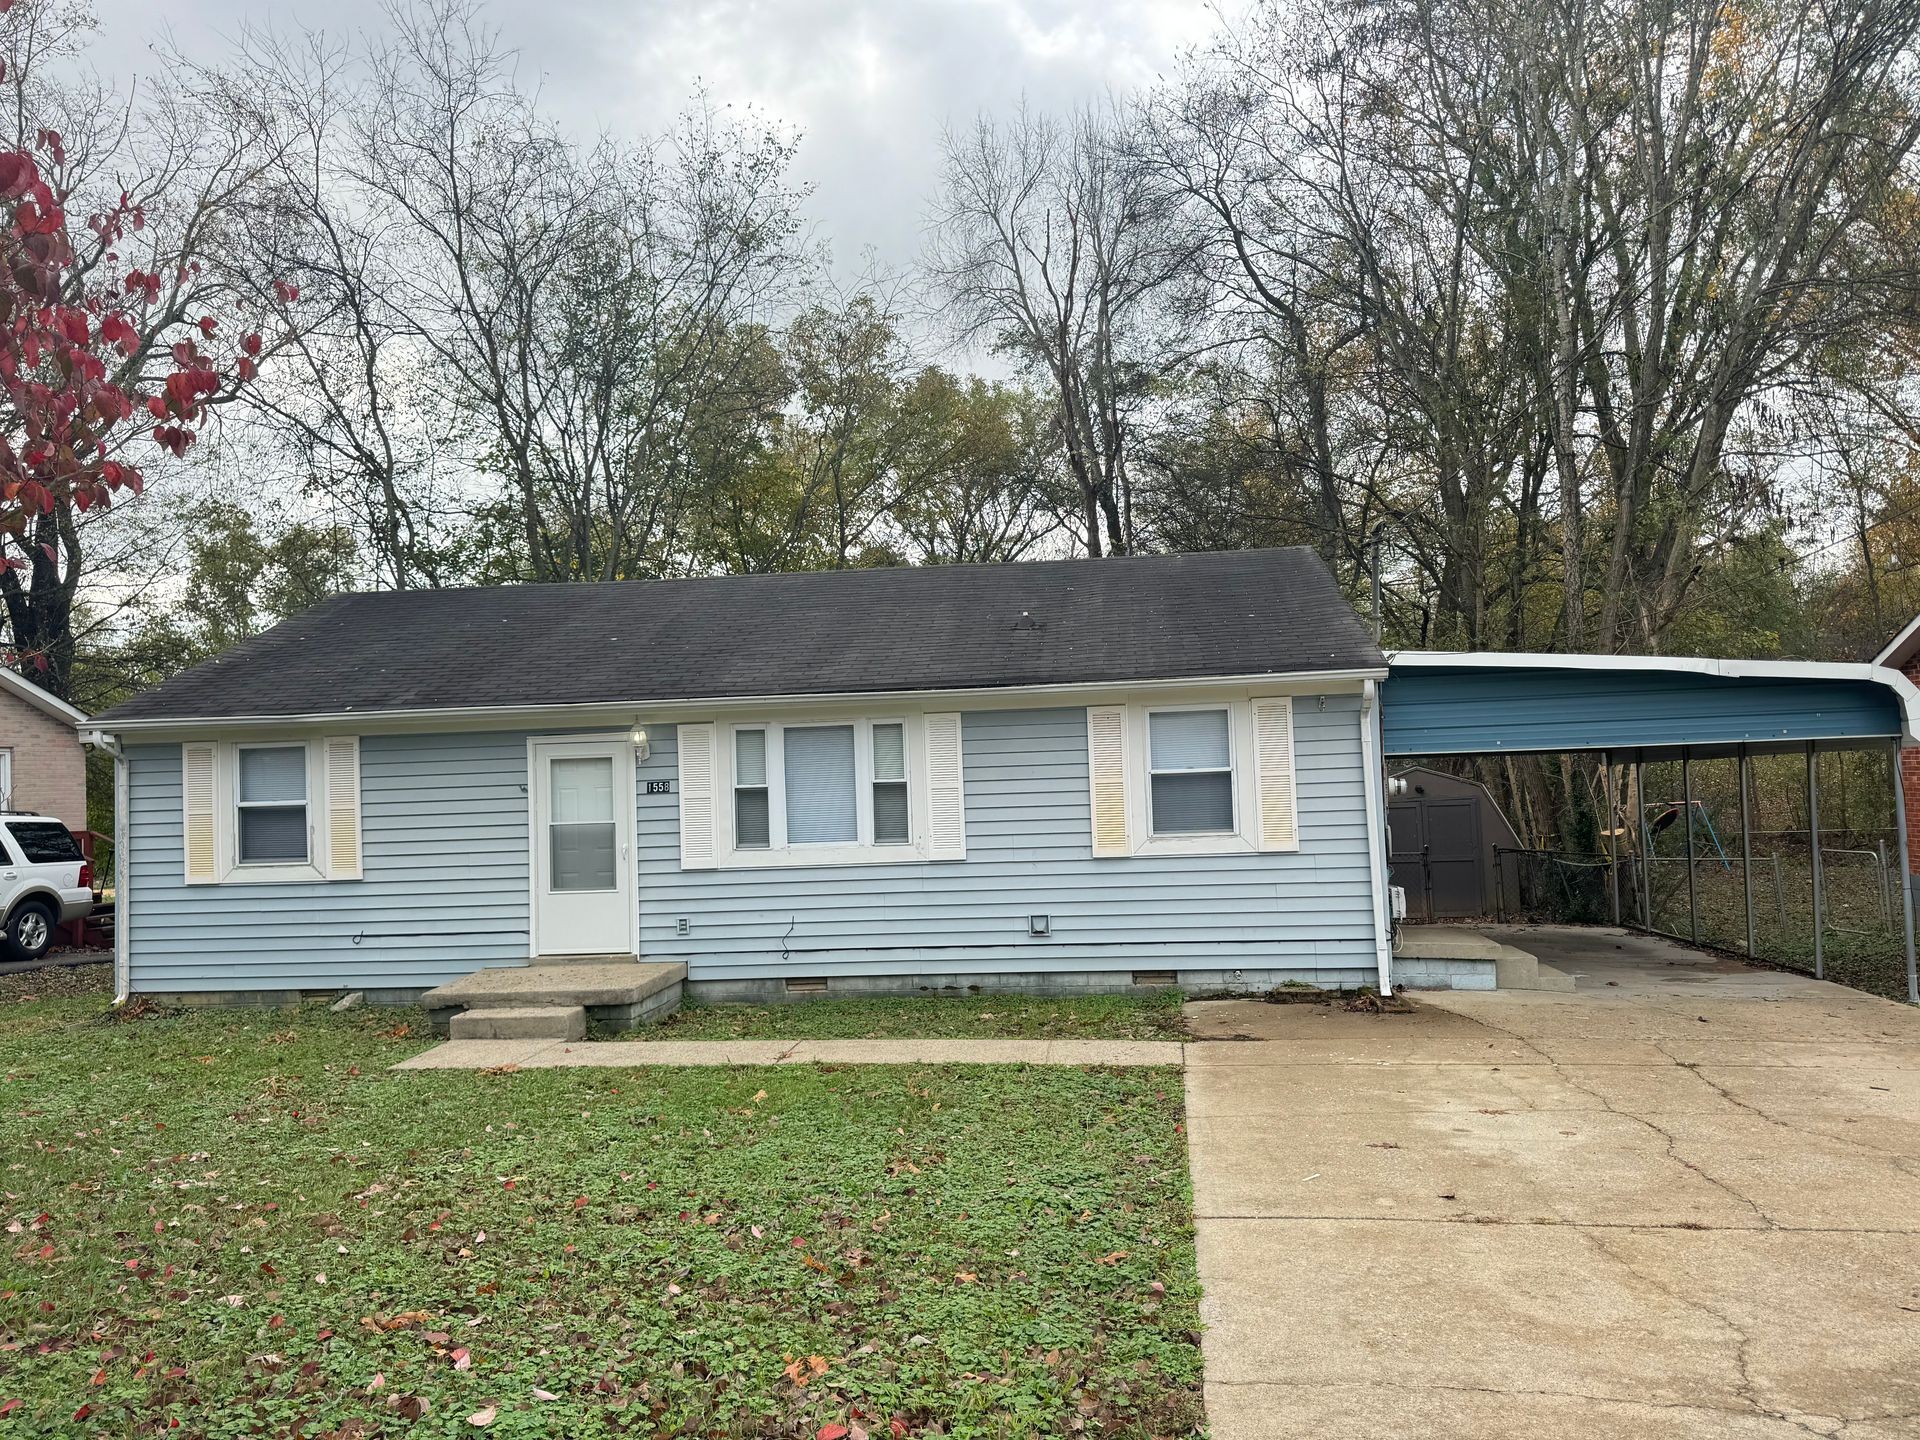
[641, 748]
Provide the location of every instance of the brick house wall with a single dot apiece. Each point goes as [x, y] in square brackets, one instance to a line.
[49, 764]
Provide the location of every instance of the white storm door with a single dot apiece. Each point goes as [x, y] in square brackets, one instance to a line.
[583, 847]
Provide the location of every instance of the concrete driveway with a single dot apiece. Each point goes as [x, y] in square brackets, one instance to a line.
[1683, 1200]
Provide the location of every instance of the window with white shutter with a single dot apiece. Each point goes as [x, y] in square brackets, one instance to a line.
[1107, 779]
[1196, 777]
[1273, 773]
[698, 846]
[261, 812]
[198, 764]
[837, 790]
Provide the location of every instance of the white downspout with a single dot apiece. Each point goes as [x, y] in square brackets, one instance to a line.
[1371, 766]
[122, 867]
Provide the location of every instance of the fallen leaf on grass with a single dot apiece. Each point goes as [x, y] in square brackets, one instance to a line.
[540, 1394]
[483, 1416]
[800, 1372]
[1113, 1257]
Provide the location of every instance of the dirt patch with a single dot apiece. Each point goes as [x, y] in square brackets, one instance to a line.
[63, 979]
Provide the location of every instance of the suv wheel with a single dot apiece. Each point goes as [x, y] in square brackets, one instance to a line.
[29, 930]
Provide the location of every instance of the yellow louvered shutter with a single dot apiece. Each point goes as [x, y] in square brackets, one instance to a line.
[198, 804]
[698, 745]
[1107, 778]
[946, 790]
[1273, 773]
[343, 807]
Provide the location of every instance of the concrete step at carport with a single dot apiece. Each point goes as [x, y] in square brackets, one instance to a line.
[1458, 957]
[622, 993]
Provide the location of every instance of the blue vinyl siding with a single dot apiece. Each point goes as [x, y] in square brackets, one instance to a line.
[444, 838]
[1029, 850]
[1445, 711]
[444, 851]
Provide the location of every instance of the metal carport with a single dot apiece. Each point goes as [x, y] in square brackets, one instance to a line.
[1633, 709]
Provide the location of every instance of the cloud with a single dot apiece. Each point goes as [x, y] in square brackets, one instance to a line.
[868, 83]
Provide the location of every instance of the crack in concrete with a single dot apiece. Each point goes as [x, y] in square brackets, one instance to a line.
[1667, 1138]
[1554, 1222]
[1905, 1164]
[1747, 1387]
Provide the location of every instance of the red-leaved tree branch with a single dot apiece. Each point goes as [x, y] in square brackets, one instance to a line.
[68, 401]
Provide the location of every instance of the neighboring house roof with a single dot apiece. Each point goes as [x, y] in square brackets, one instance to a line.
[14, 683]
[949, 627]
[1903, 647]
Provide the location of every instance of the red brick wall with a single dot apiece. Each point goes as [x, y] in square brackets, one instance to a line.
[49, 763]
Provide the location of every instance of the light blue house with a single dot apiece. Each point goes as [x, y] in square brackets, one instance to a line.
[1082, 774]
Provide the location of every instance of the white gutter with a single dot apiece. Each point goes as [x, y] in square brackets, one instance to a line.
[1904, 690]
[623, 711]
[122, 867]
[1371, 770]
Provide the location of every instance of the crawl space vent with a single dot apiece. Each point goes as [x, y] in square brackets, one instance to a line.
[1153, 977]
[806, 985]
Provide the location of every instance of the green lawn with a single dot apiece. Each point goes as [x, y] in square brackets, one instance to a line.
[245, 1224]
[1091, 1017]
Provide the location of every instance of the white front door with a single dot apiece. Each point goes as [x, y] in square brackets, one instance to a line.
[583, 847]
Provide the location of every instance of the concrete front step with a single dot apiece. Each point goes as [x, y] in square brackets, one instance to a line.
[620, 993]
[521, 1022]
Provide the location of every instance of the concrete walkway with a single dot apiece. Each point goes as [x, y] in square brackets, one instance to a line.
[551, 1054]
[1683, 1200]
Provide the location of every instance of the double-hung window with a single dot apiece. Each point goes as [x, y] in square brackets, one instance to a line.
[267, 812]
[271, 804]
[752, 805]
[1190, 768]
[836, 791]
[1200, 776]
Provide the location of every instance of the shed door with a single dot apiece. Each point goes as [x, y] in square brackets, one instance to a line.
[583, 809]
[1453, 858]
[1406, 859]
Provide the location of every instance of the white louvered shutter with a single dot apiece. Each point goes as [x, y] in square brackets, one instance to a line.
[197, 792]
[946, 790]
[343, 807]
[1107, 778]
[1273, 773]
[698, 745]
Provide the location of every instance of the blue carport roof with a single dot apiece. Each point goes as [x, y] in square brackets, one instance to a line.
[1638, 706]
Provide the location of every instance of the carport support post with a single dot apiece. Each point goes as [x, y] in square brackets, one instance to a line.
[1746, 847]
[1906, 879]
[1646, 844]
[1813, 835]
[1693, 892]
[1613, 836]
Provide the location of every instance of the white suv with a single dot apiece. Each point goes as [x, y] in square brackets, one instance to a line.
[44, 881]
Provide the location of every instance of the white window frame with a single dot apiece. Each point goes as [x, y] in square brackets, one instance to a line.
[306, 803]
[6, 777]
[1244, 838]
[1223, 707]
[229, 868]
[860, 851]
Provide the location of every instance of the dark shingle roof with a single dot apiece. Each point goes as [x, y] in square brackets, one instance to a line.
[1248, 612]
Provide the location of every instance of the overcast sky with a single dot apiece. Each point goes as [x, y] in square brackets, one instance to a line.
[869, 83]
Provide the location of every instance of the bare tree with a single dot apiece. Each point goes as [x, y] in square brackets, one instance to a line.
[1050, 244]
